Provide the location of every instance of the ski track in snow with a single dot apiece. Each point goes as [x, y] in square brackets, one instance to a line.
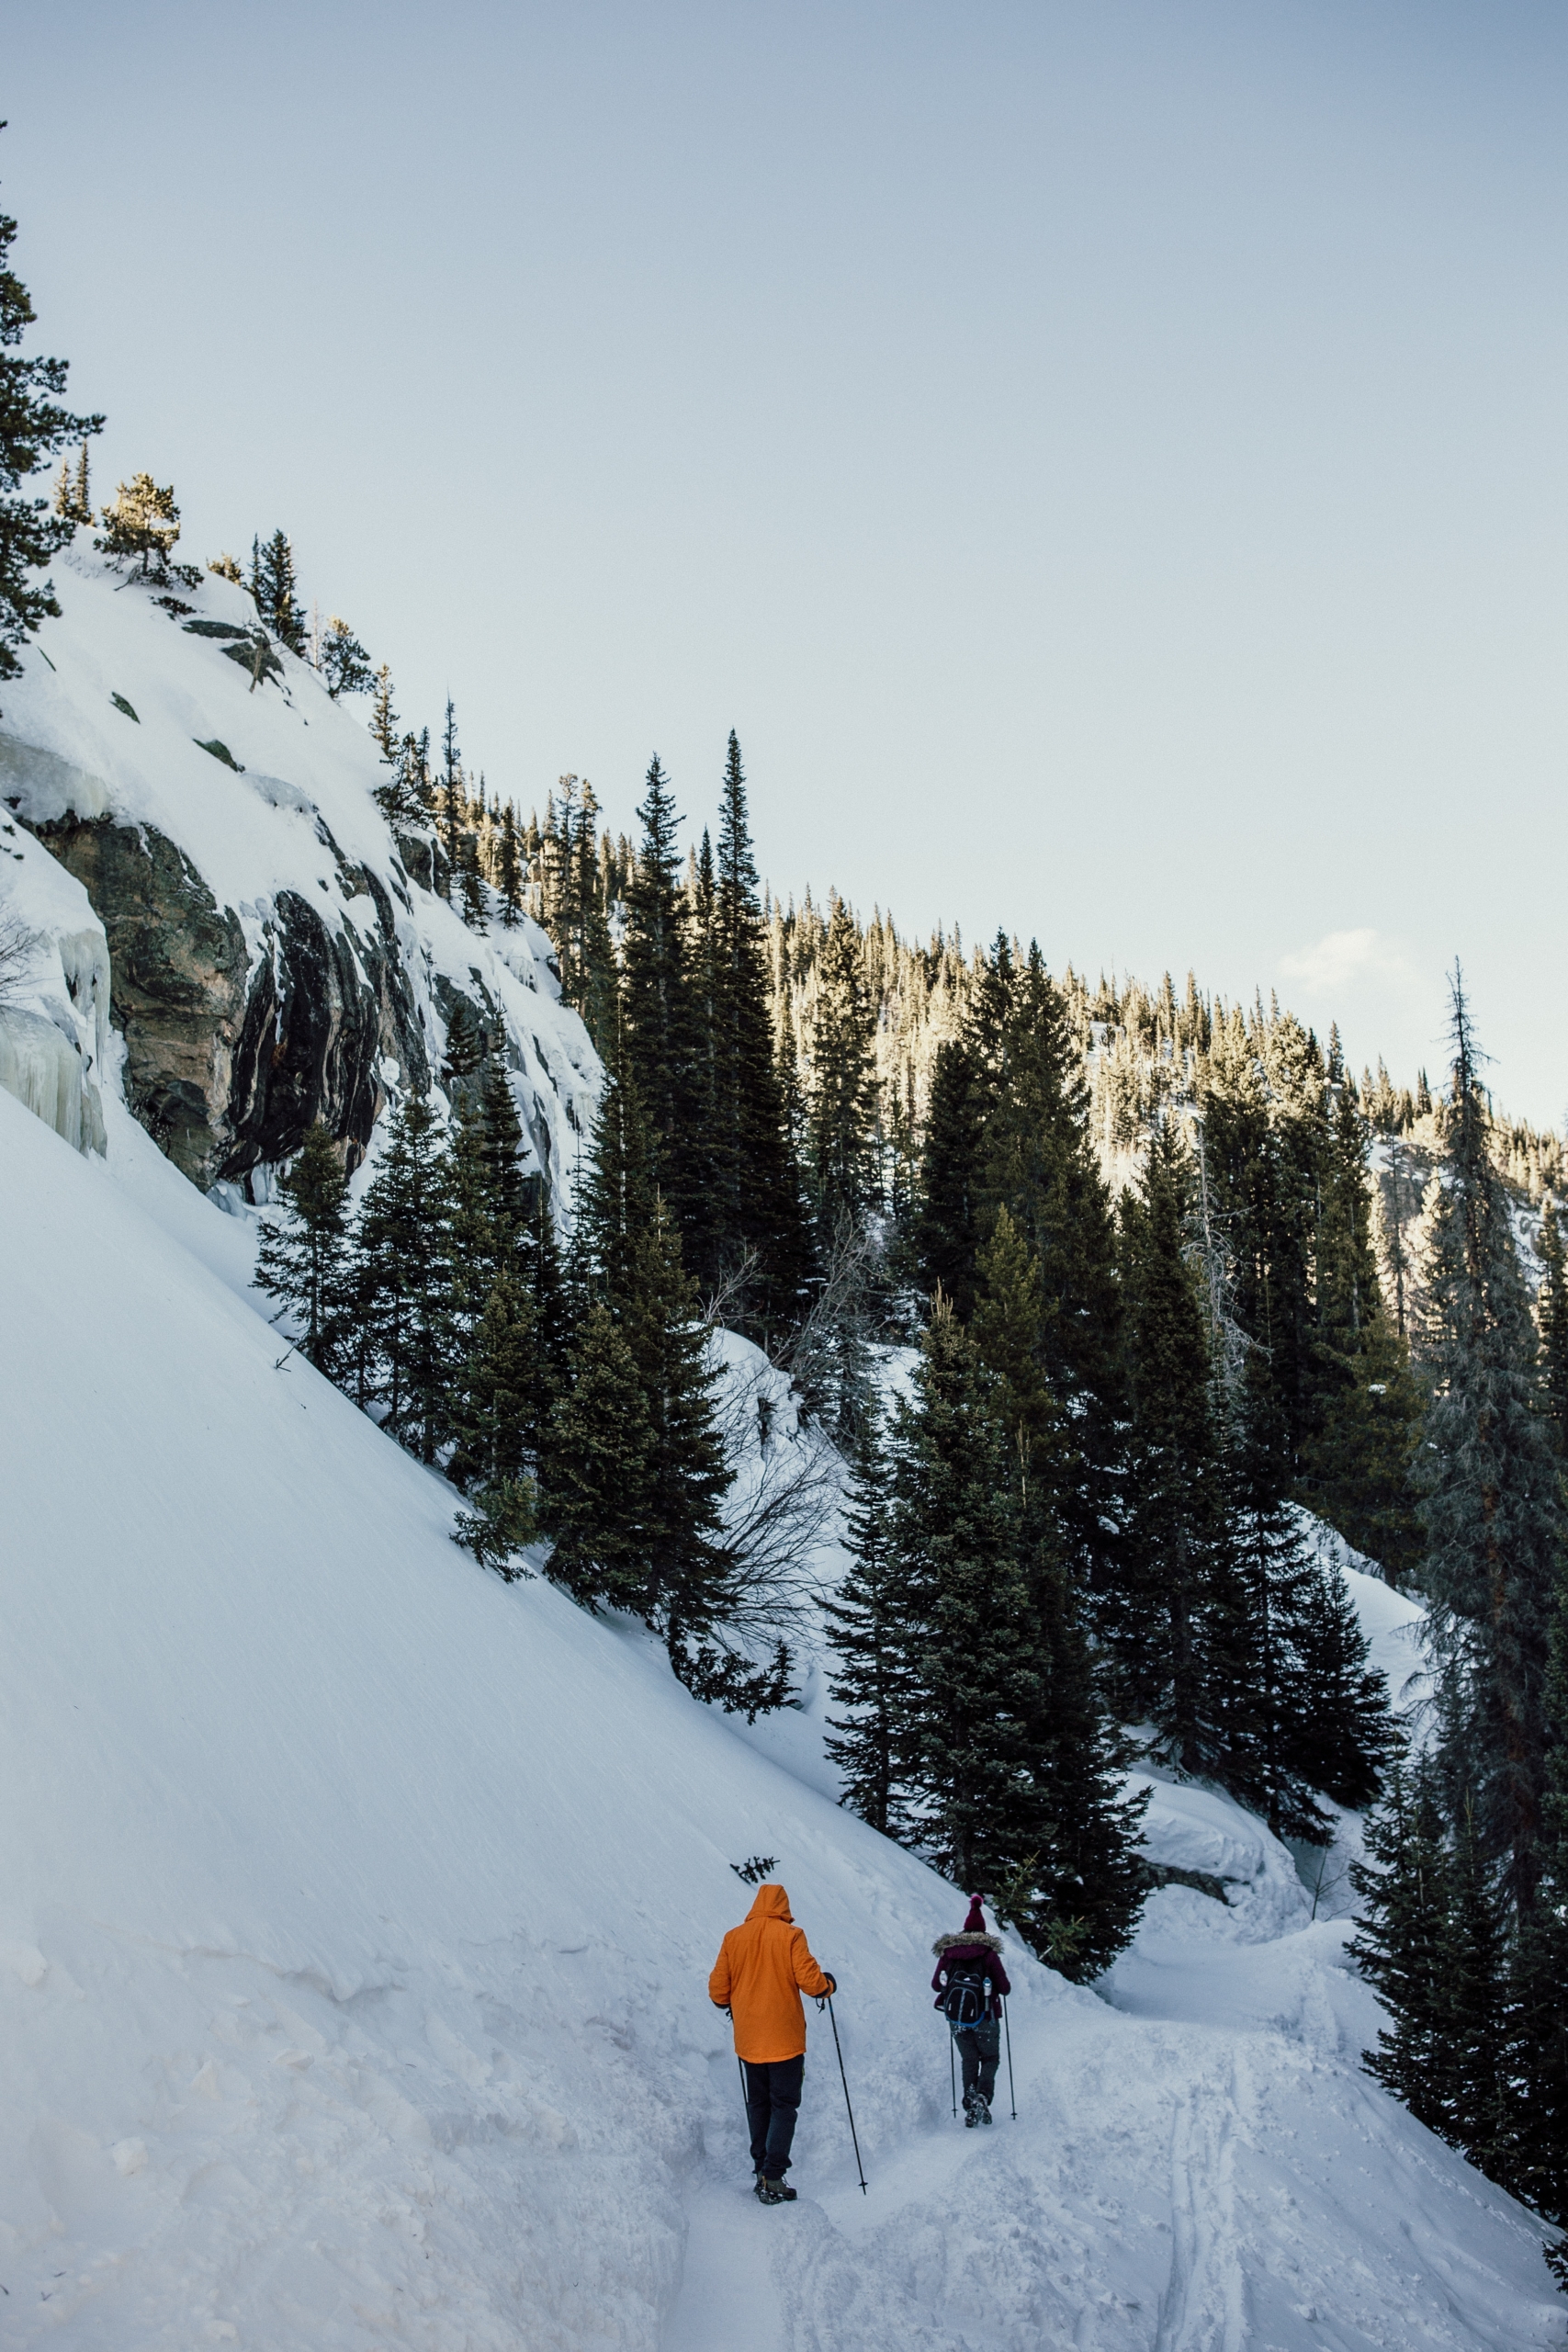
[356, 1913]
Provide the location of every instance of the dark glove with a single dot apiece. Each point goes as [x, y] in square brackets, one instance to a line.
[833, 1982]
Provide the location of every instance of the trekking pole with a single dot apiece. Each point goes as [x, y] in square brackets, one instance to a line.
[845, 2080]
[951, 2075]
[1012, 2096]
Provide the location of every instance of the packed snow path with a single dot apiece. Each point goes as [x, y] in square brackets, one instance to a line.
[356, 1913]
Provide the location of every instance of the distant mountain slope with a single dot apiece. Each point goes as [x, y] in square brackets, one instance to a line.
[356, 1913]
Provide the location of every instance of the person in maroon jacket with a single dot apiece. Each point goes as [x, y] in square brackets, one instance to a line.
[969, 1984]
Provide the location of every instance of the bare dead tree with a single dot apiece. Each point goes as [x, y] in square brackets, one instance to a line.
[783, 1497]
[19, 944]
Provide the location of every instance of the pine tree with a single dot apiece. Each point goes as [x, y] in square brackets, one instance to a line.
[968, 1633]
[495, 1441]
[597, 1465]
[404, 798]
[405, 1280]
[1552, 1312]
[343, 661]
[757, 1210]
[466, 1047]
[1538, 2140]
[1265, 1706]
[81, 489]
[1402, 1938]
[1363, 1416]
[841, 1112]
[1007, 1328]
[869, 1675]
[658, 1008]
[302, 1260]
[1474, 1991]
[470, 882]
[1341, 1731]
[1169, 1630]
[277, 591]
[1041, 1166]
[509, 870]
[32, 427]
[1077, 1900]
[946, 1216]
[1492, 1506]
[141, 520]
[383, 717]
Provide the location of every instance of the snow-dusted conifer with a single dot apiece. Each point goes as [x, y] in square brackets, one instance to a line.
[301, 1260]
[869, 1669]
[1492, 1507]
[32, 427]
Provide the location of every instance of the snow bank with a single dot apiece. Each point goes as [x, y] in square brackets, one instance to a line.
[356, 1913]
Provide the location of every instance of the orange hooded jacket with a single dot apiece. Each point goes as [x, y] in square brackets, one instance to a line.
[762, 1968]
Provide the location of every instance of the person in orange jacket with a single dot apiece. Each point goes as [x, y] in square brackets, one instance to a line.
[764, 1966]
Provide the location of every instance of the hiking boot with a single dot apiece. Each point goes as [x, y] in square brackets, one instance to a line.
[773, 2192]
[974, 2107]
[983, 2104]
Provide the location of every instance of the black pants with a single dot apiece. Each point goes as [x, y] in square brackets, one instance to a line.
[772, 2104]
[979, 2048]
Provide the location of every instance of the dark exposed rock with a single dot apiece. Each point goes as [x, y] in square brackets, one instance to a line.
[1157, 1875]
[419, 855]
[323, 1012]
[226, 1068]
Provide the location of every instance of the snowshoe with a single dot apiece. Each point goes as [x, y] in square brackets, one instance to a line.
[773, 2192]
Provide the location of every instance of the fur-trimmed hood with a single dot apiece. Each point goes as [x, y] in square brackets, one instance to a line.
[973, 1939]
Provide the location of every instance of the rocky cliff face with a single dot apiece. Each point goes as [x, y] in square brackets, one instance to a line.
[229, 1058]
[275, 958]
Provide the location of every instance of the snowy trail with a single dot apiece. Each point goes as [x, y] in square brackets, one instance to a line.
[727, 2298]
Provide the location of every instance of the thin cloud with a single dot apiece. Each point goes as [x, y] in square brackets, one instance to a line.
[1344, 960]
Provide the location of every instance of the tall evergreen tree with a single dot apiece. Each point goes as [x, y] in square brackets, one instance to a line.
[659, 1008]
[1362, 1418]
[1171, 1630]
[840, 1108]
[509, 870]
[275, 589]
[1402, 1938]
[972, 1714]
[383, 717]
[871, 1668]
[1552, 1312]
[1041, 1166]
[302, 1262]
[1491, 1505]
[946, 1216]
[757, 1210]
[405, 1279]
[597, 1458]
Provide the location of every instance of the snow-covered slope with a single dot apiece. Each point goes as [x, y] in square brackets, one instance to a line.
[274, 957]
[356, 1913]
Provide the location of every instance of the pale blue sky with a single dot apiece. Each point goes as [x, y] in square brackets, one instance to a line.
[1107, 461]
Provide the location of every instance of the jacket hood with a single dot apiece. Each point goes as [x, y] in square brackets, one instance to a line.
[772, 1902]
[970, 1942]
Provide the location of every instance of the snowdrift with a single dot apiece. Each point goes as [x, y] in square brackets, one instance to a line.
[356, 1912]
